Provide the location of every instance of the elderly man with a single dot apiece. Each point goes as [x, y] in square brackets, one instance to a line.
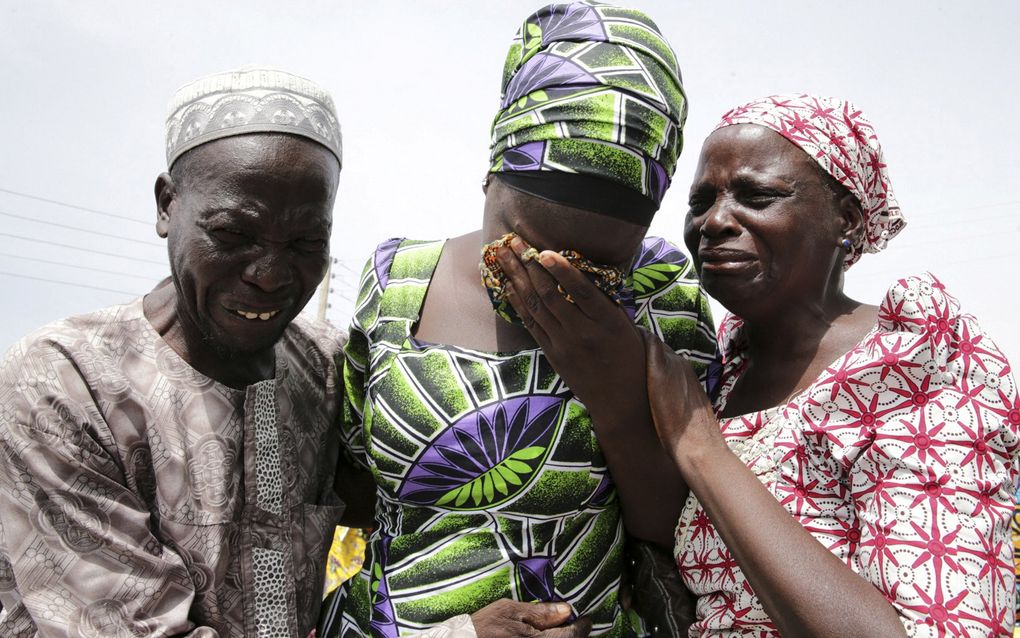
[166, 466]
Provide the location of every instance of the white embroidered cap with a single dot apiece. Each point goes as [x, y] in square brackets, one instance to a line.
[250, 100]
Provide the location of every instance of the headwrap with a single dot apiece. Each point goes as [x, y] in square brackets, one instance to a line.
[838, 136]
[250, 100]
[593, 89]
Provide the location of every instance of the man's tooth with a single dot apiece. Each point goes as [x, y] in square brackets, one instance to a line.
[265, 316]
[250, 315]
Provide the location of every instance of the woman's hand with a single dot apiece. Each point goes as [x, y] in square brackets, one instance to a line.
[597, 349]
[591, 342]
[509, 619]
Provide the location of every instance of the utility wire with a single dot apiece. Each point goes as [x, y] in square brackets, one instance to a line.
[61, 263]
[81, 230]
[87, 250]
[95, 211]
[67, 283]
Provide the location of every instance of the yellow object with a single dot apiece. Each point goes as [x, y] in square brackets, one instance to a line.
[346, 556]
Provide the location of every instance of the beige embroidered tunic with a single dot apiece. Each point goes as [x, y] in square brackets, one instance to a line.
[141, 498]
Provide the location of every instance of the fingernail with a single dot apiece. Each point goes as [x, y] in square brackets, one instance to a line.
[546, 259]
[518, 245]
[563, 608]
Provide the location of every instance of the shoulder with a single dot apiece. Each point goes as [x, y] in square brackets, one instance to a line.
[662, 273]
[661, 253]
[57, 372]
[399, 257]
[79, 336]
[919, 311]
[919, 304]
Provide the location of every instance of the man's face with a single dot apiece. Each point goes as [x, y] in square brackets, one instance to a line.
[248, 227]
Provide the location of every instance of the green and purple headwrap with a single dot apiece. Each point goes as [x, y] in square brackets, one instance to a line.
[592, 89]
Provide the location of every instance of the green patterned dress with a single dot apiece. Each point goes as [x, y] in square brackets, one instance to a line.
[490, 482]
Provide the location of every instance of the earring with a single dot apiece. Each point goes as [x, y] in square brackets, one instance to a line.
[485, 182]
[846, 244]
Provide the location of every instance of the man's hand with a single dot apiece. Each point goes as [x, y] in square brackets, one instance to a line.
[510, 619]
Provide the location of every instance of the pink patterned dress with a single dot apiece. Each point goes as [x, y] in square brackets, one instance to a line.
[901, 458]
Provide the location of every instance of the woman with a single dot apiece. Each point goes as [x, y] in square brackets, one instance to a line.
[491, 483]
[854, 475]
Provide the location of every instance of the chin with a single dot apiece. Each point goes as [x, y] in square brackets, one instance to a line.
[739, 295]
[232, 346]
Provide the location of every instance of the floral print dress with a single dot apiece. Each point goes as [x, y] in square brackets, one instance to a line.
[901, 458]
[490, 481]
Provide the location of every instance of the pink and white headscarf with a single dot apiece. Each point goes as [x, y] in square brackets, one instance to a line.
[842, 140]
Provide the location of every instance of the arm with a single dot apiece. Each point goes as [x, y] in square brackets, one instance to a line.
[804, 588]
[78, 539]
[597, 350]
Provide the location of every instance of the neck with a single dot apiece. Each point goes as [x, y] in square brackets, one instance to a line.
[235, 370]
[796, 328]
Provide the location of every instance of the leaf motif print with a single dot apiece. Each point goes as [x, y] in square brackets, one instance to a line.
[572, 22]
[487, 457]
[383, 617]
[659, 263]
[542, 71]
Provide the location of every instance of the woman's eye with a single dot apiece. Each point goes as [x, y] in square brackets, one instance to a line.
[760, 199]
[698, 205]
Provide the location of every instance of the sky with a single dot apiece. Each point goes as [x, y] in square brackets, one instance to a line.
[416, 83]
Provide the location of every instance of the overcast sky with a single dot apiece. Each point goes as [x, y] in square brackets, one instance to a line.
[84, 89]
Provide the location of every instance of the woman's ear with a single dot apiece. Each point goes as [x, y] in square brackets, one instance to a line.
[851, 218]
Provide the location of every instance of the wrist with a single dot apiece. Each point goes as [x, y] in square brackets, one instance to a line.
[701, 448]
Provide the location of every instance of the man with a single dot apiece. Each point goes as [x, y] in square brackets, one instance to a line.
[166, 466]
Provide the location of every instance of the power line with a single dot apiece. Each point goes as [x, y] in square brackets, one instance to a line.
[87, 250]
[67, 283]
[95, 211]
[80, 230]
[61, 263]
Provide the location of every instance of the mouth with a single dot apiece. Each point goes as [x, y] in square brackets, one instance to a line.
[256, 316]
[723, 260]
[255, 312]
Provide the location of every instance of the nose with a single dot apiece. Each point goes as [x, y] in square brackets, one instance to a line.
[718, 220]
[270, 271]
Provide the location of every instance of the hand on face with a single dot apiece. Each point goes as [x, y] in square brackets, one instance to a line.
[508, 619]
[587, 338]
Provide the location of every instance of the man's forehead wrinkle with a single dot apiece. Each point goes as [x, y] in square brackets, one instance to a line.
[254, 216]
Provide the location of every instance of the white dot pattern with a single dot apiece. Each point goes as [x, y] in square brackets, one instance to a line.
[268, 474]
[270, 593]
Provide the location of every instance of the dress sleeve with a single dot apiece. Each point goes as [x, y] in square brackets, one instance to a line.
[75, 537]
[670, 303]
[933, 492]
[357, 352]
